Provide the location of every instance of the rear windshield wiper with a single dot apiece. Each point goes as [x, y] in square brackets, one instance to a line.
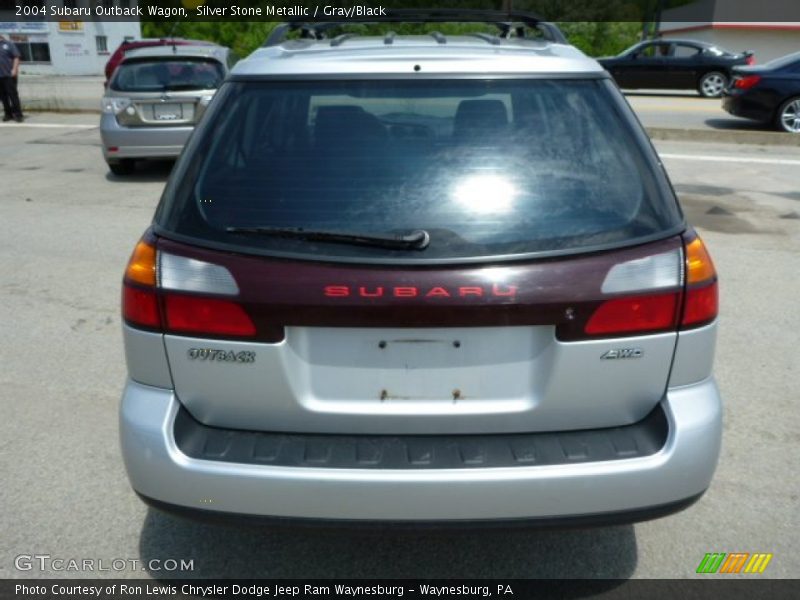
[416, 240]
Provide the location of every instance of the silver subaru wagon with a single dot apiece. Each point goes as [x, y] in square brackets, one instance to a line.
[420, 279]
[155, 98]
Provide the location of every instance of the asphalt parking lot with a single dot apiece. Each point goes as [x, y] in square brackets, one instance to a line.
[66, 230]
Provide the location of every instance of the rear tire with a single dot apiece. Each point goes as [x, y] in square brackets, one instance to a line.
[124, 167]
[712, 84]
[788, 117]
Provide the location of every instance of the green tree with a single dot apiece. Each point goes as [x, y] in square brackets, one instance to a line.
[602, 38]
[240, 36]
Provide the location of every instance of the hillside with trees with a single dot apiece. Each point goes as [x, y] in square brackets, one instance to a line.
[593, 38]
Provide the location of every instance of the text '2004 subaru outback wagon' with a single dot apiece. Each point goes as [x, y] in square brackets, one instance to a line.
[437, 279]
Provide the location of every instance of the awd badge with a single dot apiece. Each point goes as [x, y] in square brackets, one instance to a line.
[623, 353]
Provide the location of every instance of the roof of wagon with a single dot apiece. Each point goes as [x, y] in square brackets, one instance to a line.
[435, 53]
[179, 51]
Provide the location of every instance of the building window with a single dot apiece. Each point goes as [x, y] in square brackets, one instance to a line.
[102, 44]
[32, 49]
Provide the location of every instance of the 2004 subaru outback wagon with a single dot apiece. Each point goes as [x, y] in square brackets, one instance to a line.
[420, 279]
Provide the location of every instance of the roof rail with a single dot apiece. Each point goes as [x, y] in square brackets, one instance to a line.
[506, 21]
[340, 39]
[439, 37]
[491, 39]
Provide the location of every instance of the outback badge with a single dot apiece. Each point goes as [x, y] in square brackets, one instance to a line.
[211, 354]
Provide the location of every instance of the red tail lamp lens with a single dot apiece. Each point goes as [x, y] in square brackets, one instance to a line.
[702, 305]
[745, 83]
[140, 306]
[634, 313]
[207, 315]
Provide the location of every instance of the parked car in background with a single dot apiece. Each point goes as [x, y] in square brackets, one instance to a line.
[675, 65]
[769, 93]
[155, 98]
[128, 45]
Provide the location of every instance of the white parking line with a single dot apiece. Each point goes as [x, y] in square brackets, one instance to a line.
[733, 159]
[49, 125]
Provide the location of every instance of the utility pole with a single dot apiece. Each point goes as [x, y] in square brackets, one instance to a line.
[659, 10]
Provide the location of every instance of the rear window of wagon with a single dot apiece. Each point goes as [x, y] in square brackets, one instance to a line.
[167, 74]
[489, 168]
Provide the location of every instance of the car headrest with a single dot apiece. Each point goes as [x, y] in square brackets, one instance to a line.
[479, 117]
[147, 78]
[343, 124]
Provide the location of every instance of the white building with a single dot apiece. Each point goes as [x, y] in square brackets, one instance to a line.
[726, 25]
[69, 47]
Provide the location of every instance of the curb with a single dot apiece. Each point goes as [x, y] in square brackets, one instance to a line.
[59, 93]
[756, 138]
[60, 111]
[56, 105]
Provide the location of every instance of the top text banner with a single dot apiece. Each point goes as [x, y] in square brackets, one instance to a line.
[776, 13]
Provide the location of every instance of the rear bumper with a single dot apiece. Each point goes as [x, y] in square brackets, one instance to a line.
[740, 105]
[141, 142]
[595, 491]
[605, 519]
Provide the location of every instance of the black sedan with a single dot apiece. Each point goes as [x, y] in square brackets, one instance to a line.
[769, 93]
[675, 65]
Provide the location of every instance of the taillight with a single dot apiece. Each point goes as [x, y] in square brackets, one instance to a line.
[139, 300]
[140, 307]
[192, 314]
[702, 305]
[701, 302]
[651, 300]
[638, 314]
[170, 294]
[659, 293]
[745, 83]
[142, 265]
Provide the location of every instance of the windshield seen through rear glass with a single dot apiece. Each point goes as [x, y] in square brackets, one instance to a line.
[486, 167]
[163, 75]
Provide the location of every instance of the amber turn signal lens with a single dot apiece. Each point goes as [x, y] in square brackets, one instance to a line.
[142, 265]
[699, 267]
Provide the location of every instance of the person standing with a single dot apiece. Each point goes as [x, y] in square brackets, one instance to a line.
[9, 71]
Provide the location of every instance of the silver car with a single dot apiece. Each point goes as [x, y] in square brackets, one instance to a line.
[436, 279]
[155, 98]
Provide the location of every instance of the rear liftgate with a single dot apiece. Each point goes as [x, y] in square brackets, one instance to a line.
[563, 344]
